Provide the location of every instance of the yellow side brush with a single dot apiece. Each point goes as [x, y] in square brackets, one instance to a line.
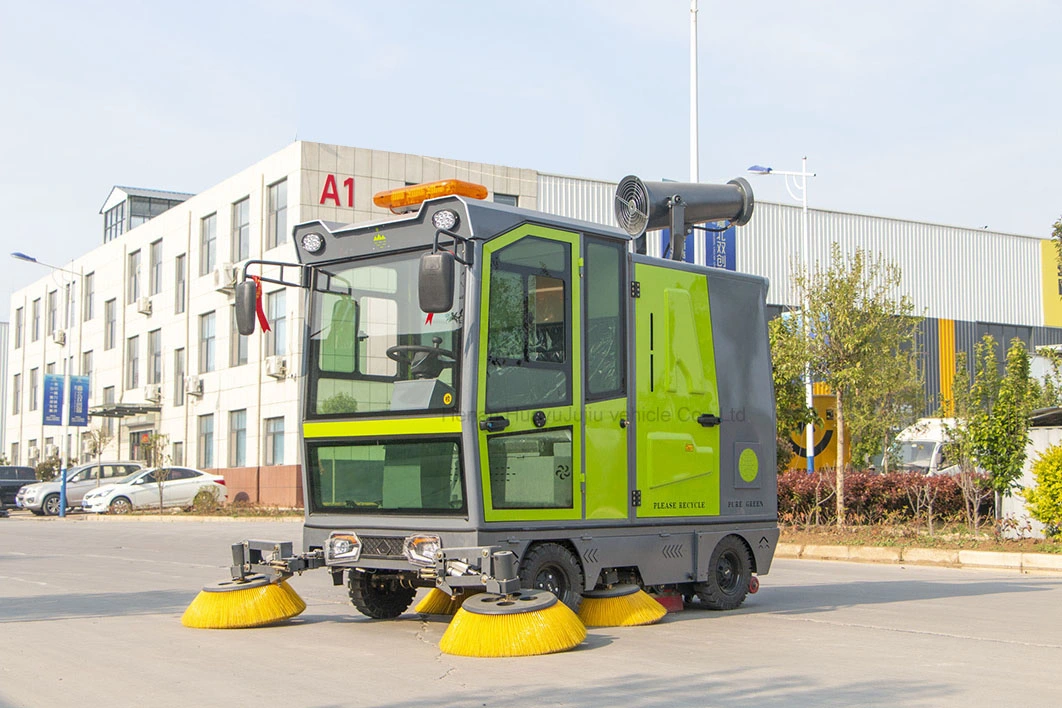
[437, 602]
[619, 606]
[255, 602]
[525, 623]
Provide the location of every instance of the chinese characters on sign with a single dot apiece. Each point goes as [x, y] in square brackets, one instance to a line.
[54, 400]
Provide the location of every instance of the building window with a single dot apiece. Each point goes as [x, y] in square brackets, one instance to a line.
[14, 453]
[69, 311]
[34, 375]
[132, 362]
[206, 441]
[277, 231]
[178, 377]
[88, 304]
[114, 222]
[277, 337]
[53, 312]
[143, 209]
[241, 229]
[208, 243]
[178, 453]
[108, 423]
[179, 276]
[86, 367]
[18, 328]
[274, 441]
[237, 438]
[507, 199]
[16, 395]
[35, 321]
[155, 274]
[110, 324]
[237, 342]
[133, 289]
[154, 371]
[49, 368]
[206, 342]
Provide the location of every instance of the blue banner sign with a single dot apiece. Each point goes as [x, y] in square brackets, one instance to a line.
[53, 399]
[79, 397]
[720, 251]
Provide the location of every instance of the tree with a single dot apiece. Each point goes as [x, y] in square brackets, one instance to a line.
[859, 341]
[156, 448]
[1044, 500]
[972, 399]
[1005, 435]
[787, 368]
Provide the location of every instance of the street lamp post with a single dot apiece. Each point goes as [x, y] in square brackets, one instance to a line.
[801, 195]
[67, 398]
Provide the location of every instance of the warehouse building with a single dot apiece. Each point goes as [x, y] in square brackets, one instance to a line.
[147, 315]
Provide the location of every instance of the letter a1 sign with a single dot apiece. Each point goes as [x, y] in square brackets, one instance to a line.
[330, 191]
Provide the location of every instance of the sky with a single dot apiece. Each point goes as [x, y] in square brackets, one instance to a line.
[938, 111]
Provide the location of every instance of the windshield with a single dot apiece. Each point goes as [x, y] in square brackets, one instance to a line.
[917, 453]
[371, 348]
[402, 477]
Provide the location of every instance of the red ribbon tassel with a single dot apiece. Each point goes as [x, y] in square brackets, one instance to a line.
[259, 310]
[429, 318]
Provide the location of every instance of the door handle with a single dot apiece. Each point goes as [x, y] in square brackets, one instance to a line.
[494, 424]
[708, 420]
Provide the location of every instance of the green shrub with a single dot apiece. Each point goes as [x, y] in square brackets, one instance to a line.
[1045, 499]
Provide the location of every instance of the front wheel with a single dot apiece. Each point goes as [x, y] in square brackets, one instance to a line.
[379, 595]
[729, 575]
[50, 505]
[121, 505]
[554, 568]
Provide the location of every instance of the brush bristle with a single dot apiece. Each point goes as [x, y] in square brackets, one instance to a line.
[632, 610]
[547, 631]
[249, 607]
[437, 602]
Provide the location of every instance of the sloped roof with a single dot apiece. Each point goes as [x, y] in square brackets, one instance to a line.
[124, 192]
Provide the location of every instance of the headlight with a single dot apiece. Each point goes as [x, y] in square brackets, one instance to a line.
[343, 545]
[421, 549]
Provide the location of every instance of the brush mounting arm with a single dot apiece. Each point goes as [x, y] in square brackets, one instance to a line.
[275, 559]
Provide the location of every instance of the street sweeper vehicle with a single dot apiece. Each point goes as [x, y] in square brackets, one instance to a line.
[526, 414]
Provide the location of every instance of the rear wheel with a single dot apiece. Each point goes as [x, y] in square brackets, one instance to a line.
[121, 505]
[50, 505]
[554, 568]
[379, 595]
[729, 575]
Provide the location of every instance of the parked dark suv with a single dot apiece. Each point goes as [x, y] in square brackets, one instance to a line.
[12, 479]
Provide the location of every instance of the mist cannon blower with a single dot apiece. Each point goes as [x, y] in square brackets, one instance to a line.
[642, 206]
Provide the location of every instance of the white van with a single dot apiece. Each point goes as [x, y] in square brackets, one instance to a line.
[921, 446]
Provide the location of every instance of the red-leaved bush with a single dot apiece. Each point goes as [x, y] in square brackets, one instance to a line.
[870, 498]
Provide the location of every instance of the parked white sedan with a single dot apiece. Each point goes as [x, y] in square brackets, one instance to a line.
[141, 490]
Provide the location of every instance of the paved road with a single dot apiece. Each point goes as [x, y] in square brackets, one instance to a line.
[89, 615]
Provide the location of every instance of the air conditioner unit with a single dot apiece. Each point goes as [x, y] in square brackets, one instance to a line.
[51, 451]
[34, 453]
[225, 278]
[193, 386]
[153, 393]
[59, 337]
[276, 366]
[143, 306]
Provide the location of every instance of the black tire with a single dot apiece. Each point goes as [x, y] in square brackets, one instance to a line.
[552, 567]
[50, 505]
[729, 573]
[379, 595]
[121, 505]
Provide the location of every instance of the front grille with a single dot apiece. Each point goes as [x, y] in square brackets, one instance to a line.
[381, 546]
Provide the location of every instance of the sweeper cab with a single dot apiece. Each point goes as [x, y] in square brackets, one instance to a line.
[502, 404]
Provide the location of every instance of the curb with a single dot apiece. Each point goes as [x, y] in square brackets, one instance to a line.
[165, 518]
[1022, 562]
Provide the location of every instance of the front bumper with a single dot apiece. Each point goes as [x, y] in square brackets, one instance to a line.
[95, 506]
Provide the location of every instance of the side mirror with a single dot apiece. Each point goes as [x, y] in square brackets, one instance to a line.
[246, 301]
[435, 282]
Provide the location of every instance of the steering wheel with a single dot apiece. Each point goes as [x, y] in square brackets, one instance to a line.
[424, 362]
